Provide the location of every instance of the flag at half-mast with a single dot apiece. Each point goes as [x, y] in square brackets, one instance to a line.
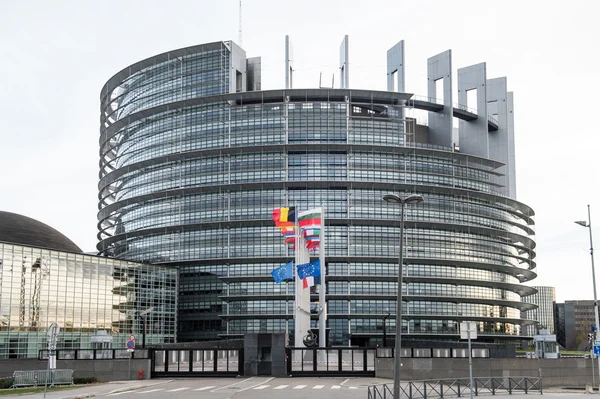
[310, 273]
[285, 272]
[311, 269]
[310, 225]
[285, 220]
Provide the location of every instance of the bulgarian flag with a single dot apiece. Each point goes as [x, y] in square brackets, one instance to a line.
[310, 219]
[310, 225]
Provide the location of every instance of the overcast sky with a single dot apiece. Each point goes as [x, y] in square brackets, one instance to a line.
[57, 55]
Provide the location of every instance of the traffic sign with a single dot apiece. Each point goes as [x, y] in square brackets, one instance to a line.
[596, 349]
[132, 337]
[131, 345]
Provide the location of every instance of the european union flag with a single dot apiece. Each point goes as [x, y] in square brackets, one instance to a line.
[284, 272]
[309, 269]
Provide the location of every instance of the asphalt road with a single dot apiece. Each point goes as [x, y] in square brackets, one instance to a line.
[251, 388]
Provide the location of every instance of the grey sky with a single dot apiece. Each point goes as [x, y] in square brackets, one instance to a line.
[56, 56]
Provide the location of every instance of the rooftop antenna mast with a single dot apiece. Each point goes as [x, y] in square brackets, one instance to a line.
[240, 27]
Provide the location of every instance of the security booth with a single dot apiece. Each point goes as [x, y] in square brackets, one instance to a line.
[546, 346]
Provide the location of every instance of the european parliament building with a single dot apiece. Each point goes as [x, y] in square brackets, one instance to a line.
[194, 157]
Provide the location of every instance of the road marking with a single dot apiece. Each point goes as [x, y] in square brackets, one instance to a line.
[335, 386]
[234, 384]
[299, 386]
[203, 388]
[262, 387]
[318, 386]
[178, 389]
[119, 393]
[152, 390]
[281, 387]
[353, 387]
[255, 385]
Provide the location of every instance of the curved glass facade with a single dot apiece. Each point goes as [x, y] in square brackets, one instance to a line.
[95, 301]
[190, 175]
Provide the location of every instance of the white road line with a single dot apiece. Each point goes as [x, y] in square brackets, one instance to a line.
[254, 386]
[353, 387]
[299, 386]
[152, 390]
[262, 387]
[119, 393]
[281, 387]
[204, 388]
[345, 381]
[234, 384]
[318, 386]
[336, 386]
[178, 389]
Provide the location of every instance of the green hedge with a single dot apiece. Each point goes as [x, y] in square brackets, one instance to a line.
[6, 382]
[84, 380]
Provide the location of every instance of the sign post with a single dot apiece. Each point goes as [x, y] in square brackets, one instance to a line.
[469, 331]
[51, 335]
[130, 348]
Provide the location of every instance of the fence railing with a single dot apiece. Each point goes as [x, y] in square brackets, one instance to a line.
[331, 361]
[42, 377]
[430, 389]
[95, 354]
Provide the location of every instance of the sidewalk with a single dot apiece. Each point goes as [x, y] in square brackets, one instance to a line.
[88, 391]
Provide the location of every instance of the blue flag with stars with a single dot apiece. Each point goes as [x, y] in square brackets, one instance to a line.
[309, 269]
[284, 272]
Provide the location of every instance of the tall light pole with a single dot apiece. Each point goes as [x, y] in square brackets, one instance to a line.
[396, 199]
[588, 224]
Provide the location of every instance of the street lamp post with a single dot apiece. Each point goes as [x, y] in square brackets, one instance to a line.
[396, 199]
[385, 330]
[144, 316]
[588, 224]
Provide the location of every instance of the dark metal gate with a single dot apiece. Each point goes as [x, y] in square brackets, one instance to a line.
[322, 362]
[197, 362]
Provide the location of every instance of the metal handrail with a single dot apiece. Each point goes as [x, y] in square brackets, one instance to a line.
[458, 387]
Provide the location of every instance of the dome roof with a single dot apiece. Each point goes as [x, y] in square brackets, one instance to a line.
[19, 229]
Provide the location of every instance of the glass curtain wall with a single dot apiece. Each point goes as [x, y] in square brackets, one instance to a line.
[91, 298]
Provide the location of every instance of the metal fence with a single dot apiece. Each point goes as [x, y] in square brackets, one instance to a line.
[331, 361]
[197, 362]
[42, 377]
[95, 354]
[460, 387]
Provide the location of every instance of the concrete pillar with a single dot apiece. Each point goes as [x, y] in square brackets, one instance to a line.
[473, 135]
[439, 67]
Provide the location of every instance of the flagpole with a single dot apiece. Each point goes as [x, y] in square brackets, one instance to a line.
[323, 315]
[297, 287]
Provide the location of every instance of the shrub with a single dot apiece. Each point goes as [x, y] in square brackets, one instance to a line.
[84, 380]
[6, 382]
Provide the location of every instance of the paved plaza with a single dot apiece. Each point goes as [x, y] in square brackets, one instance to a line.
[252, 388]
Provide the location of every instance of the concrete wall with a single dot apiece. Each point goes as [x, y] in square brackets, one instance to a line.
[103, 370]
[574, 372]
[264, 354]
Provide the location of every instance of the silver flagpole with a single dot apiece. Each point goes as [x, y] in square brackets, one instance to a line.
[297, 286]
[323, 312]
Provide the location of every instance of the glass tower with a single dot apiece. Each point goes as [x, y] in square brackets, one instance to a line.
[193, 161]
[545, 299]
